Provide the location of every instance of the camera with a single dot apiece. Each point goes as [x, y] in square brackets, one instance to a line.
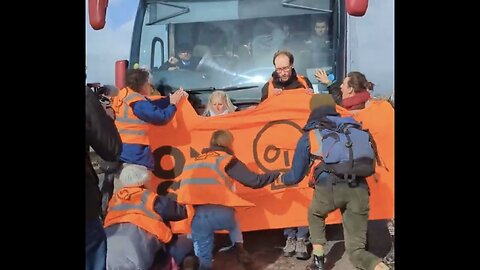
[103, 92]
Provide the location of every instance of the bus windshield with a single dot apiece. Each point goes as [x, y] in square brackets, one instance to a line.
[224, 53]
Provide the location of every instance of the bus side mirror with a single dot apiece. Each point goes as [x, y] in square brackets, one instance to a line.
[356, 8]
[120, 73]
[97, 10]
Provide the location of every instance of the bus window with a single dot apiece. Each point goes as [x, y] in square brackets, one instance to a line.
[158, 56]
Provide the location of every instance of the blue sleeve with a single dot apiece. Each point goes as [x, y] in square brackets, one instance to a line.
[169, 209]
[162, 102]
[150, 113]
[300, 164]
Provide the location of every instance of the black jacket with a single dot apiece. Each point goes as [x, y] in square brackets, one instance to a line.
[291, 83]
[334, 90]
[102, 135]
[240, 172]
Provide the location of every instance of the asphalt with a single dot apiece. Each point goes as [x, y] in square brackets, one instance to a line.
[266, 246]
[266, 249]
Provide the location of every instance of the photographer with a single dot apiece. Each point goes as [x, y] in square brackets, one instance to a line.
[102, 135]
[109, 169]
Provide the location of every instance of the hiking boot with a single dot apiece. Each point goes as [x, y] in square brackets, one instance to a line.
[243, 256]
[318, 263]
[289, 248]
[301, 251]
[190, 263]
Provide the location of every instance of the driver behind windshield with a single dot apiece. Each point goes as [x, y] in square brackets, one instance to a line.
[184, 59]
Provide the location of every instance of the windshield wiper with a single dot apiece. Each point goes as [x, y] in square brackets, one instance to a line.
[226, 89]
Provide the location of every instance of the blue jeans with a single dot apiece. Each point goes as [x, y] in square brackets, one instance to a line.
[207, 220]
[296, 233]
[95, 245]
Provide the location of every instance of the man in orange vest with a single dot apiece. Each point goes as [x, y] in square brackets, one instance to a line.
[135, 112]
[284, 77]
[135, 224]
[208, 183]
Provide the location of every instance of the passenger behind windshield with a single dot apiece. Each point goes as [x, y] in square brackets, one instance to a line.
[185, 59]
[320, 44]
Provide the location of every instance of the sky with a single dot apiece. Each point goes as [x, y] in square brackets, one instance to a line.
[112, 43]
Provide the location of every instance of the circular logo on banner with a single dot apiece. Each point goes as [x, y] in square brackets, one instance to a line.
[270, 150]
[169, 162]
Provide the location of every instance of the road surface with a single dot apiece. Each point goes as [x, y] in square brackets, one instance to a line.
[266, 249]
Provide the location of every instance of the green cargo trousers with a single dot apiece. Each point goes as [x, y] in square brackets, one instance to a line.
[354, 205]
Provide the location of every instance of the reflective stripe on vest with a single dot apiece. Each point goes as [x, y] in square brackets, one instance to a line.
[141, 206]
[125, 118]
[214, 166]
[132, 130]
[204, 181]
[135, 205]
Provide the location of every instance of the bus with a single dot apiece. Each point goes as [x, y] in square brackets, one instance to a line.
[232, 43]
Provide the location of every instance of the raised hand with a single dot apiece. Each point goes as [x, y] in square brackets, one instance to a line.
[321, 76]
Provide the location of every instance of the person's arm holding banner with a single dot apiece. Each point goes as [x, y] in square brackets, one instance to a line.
[300, 164]
[150, 112]
[240, 172]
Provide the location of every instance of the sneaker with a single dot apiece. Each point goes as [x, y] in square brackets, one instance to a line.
[289, 249]
[301, 251]
[318, 263]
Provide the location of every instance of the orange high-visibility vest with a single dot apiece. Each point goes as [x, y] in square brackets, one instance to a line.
[130, 127]
[300, 79]
[315, 139]
[135, 205]
[204, 181]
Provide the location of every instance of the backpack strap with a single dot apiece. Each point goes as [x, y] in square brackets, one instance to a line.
[349, 177]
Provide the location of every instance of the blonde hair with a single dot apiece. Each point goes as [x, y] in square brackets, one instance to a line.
[224, 97]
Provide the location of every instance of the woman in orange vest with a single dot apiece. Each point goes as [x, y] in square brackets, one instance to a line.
[135, 112]
[135, 224]
[208, 183]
